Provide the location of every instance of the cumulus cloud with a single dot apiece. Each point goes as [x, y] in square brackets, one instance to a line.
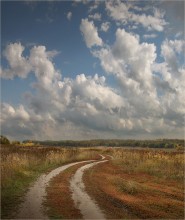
[169, 49]
[123, 58]
[149, 96]
[121, 12]
[148, 36]
[84, 101]
[146, 100]
[19, 65]
[96, 16]
[39, 61]
[94, 5]
[105, 26]
[69, 15]
[90, 33]
[172, 81]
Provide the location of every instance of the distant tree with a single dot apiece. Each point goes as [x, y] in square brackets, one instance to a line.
[4, 140]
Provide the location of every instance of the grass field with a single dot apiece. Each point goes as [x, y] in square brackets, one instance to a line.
[135, 184]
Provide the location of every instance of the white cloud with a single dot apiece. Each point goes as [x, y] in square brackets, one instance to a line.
[145, 109]
[124, 58]
[148, 36]
[39, 62]
[169, 49]
[142, 103]
[105, 26]
[172, 82]
[69, 15]
[94, 5]
[42, 66]
[96, 16]
[85, 101]
[19, 65]
[120, 12]
[90, 33]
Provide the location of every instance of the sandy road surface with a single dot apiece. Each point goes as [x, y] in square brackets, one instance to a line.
[88, 207]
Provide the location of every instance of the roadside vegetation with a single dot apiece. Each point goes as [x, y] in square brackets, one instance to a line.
[159, 163]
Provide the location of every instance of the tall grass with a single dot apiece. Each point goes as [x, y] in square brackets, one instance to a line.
[166, 164]
[22, 165]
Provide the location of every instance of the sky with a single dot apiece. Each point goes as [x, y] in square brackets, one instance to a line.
[92, 69]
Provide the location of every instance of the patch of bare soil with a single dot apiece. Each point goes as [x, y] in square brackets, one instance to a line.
[135, 195]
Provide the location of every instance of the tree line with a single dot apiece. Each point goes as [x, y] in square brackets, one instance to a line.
[158, 143]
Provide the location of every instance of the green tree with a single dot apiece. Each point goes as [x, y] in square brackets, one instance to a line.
[4, 140]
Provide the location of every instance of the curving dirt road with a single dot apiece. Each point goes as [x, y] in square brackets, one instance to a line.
[32, 208]
[88, 208]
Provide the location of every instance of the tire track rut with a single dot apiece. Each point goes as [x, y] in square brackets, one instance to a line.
[88, 207]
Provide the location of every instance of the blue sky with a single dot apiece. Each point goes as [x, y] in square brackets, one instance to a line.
[92, 69]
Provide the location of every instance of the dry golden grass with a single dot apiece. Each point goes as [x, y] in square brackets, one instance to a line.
[165, 164]
[24, 160]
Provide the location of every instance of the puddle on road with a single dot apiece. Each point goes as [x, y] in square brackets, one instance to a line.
[89, 209]
[32, 208]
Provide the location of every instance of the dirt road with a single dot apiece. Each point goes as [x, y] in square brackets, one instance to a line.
[32, 208]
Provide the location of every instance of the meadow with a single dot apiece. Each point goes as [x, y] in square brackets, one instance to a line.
[159, 163]
[139, 184]
[136, 183]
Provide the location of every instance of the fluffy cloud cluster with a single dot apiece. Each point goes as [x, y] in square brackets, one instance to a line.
[39, 62]
[90, 33]
[146, 101]
[19, 65]
[96, 16]
[153, 91]
[123, 12]
[85, 101]
[105, 26]
[133, 72]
